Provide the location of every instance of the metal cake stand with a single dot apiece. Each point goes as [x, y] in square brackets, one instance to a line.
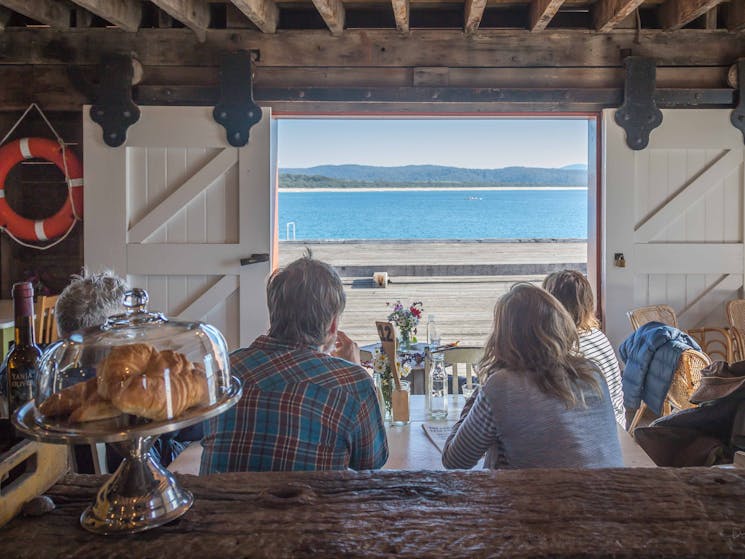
[141, 494]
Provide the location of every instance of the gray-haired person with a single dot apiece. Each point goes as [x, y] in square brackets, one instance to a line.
[307, 402]
[88, 301]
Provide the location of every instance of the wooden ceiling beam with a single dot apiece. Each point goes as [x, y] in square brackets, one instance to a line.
[542, 12]
[401, 13]
[473, 13]
[48, 12]
[264, 14]
[125, 14]
[606, 14]
[674, 14]
[736, 15]
[194, 14]
[5, 15]
[332, 12]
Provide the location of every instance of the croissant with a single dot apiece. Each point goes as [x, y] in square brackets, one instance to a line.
[120, 364]
[81, 401]
[68, 399]
[169, 385]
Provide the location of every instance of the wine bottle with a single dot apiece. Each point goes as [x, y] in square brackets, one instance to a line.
[24, 357]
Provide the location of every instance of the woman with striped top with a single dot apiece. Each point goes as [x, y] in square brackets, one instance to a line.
[542, 404]
[573, 290]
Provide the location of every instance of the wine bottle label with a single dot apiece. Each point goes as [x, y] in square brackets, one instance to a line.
[21, 386]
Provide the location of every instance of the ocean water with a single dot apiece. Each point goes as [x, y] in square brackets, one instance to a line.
[434, 214]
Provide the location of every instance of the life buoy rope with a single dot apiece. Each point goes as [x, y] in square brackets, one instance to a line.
[61, 222]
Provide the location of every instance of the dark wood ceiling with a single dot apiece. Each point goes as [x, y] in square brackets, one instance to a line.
[336, 16]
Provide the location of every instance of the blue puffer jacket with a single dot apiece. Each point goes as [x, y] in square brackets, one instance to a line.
[651, 356]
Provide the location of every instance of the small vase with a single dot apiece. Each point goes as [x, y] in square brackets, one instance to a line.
[404, 341]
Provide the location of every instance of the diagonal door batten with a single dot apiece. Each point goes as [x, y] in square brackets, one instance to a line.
[190, 189]
[178, 210]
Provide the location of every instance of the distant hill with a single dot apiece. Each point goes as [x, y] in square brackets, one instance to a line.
[575, 167]
[356, 176]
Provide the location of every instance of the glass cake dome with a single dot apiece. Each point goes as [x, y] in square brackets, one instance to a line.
[138, 370]
[126, 382]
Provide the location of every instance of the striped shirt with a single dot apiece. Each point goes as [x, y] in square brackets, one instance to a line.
[517, 425]
[596, 347]
[300, 410]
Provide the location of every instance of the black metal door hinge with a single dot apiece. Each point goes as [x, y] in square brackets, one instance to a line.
[236, 110]
[639, 114]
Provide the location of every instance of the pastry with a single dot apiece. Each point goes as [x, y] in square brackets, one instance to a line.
[120, 364]
[94, 409]
[68, 399]
[169, 386]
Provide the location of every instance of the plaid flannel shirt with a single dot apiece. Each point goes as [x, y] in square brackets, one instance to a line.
[300, 410]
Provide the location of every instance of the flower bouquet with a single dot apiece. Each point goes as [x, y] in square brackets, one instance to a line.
[407, 319]
[383, 376]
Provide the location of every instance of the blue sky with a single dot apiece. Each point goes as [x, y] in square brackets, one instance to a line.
[474, 143]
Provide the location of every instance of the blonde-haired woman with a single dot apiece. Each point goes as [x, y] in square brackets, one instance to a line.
[573, 291]
[542, 405]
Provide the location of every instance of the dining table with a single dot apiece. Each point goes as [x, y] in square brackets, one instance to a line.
[410, 448]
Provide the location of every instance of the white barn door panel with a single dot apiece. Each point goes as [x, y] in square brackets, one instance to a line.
[675, 211]
[176, 208]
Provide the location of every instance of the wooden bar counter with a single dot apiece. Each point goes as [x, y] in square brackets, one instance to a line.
[627, 512]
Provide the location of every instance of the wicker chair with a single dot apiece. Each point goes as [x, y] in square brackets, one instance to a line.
[736, 318]
[714, 342]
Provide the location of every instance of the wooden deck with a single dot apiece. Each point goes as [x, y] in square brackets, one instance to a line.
[462, 303]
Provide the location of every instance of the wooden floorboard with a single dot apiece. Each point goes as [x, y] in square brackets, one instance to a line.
[463, 305]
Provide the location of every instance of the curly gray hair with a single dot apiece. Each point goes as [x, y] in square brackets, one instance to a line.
[89, 300]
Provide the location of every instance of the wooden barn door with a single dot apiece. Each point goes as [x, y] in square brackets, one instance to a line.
[675, 211]
[176, 208]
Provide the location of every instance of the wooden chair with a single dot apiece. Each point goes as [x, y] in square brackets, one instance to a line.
[714, 342]
[461, 359]
[46, 323]
[688, 373]
[736, 319]
[684, 381]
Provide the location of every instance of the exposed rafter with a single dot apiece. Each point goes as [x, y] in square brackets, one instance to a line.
[674, 14]
[401, 13]
[542, 12]
[264, 14]
[48, 12]
[4, 17]
[122, 13]
[736, 15]
[606, 14]
[194, 14]
[332, 12]
[473, 13]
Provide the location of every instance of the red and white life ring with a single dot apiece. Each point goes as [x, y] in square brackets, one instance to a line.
[57, 225]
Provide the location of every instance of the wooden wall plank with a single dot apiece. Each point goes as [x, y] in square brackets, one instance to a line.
[449, 48]
[542, 12]
[5, 15]
[195, 14]
[674, 14]
[401, 13]
[126, 15]
[48, 12]
[722, 257]
[606, 14]
[264, 14]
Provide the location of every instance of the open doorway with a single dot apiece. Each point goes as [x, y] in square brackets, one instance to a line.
[453, 210]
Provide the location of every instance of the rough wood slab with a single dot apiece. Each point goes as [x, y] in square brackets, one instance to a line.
[531, 513]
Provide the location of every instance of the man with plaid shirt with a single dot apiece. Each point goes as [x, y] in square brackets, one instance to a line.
[307, 403]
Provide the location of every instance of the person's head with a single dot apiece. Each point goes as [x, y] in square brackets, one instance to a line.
[305, 302]
[88, 301]
[573, 290]
[534, 334]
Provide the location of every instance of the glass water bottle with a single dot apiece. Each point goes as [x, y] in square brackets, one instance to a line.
[437, 389]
